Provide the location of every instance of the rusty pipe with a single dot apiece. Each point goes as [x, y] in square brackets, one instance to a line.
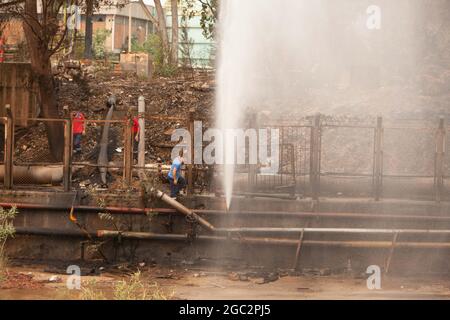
[32, 231]
[247, 240]
[130, 210]
[182, 209]
[103, 154]
[274, 241]
[261, 195]
[333, 231]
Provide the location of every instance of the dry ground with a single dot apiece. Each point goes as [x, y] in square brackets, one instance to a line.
[216, 284]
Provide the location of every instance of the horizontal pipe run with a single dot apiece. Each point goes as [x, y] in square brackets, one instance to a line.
[129, 210]
[264, 195]
[255, 241]
[342, 215]
[272, 241]
[333, 231]
[95, 165]
[37, 164]
[53, 232]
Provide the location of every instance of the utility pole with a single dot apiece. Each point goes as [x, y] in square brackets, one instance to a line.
[129, 27]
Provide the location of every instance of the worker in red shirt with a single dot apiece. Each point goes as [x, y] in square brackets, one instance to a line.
[136, 132]
[2, 50]
[78, 130]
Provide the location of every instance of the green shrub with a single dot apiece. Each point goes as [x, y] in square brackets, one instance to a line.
[153, 46]
[6, 231]
[98, 45]
[133, 288]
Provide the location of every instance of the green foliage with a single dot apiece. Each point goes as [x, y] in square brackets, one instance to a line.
[209, 14]
[153, 46]
[167, 70]
[135, 46]
[99, 43]
[187, 44]
[90, 292]
[6, 231]
[133, 288]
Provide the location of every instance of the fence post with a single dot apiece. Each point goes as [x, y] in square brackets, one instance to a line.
[294, 177]
[378, 160]
[190, 166]
[128, 152]
[252, 168]
[439, 160]
[314, 175]
[9, 148]
[141, 147]
[67, 154]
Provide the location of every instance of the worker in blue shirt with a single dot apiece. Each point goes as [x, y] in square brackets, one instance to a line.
[176, 180]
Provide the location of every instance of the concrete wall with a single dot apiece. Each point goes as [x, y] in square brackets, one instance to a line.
[230, 253]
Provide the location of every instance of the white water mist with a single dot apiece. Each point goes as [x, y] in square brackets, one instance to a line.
[284, 56]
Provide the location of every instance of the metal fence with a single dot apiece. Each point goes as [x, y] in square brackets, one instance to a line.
[405, 159]
[318, 157]
[28, 160]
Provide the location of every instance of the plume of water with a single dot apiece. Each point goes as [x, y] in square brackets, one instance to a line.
[287, 55]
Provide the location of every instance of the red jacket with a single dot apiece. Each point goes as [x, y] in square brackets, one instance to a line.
[78, 123]
[135, 125]
[2, 50]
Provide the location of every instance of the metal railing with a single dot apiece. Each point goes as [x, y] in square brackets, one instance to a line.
[398, 150]
[309, 154]
[35, 152]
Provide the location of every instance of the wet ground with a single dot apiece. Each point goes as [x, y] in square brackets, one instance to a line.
[41, 282]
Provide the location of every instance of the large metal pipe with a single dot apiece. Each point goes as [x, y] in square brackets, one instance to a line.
[103, 154]
[332, 230]
[262, 195]
[182, 209]
[32, 231]
[274, 241]
[278, 214]
[254, 241]
[35, 174]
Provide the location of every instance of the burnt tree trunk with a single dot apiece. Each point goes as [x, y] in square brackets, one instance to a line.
[163, 30]
[42, 71]
[89, 32]
[175, 33]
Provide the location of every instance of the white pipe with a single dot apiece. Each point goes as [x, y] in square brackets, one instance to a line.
[334, 230]
[141, 147]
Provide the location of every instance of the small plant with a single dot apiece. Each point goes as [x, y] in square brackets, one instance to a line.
[133, 288]
[6, 231]
[99, 43]
[88, 291]
[153, 46]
